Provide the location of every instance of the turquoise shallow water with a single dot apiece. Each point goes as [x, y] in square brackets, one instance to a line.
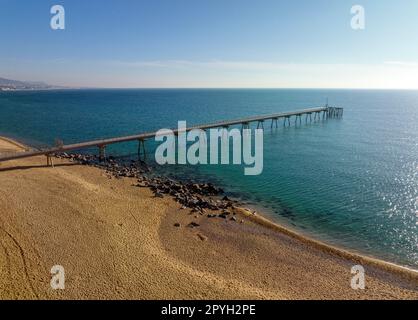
[351, 182]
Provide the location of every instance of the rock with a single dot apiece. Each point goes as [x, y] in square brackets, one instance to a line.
[178, 225]
[196, 196]
[233, 219]
[193, 225]
[202, 237]
[142, 185]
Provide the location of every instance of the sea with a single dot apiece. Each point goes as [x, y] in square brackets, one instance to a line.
[350, 182]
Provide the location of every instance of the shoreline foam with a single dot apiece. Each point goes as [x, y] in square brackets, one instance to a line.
[340, 251]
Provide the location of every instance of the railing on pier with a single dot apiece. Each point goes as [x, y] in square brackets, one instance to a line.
[327, 112]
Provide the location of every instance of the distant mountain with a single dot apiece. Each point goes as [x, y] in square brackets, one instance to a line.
[8, 84]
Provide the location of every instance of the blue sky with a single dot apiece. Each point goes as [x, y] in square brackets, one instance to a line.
[211, 43]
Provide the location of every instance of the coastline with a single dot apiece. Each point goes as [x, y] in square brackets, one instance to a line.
[268, 222]
[334, 249]
[261, 224]
[14, 142]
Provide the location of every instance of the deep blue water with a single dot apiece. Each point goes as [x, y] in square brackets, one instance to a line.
[351, 182]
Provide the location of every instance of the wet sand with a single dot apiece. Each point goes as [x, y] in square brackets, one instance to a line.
[117, 241]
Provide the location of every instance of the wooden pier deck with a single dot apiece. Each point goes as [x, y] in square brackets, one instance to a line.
[327, 112]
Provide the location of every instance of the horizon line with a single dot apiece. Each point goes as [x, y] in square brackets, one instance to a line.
[231, 88]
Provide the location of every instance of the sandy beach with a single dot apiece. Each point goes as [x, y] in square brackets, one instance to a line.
[117, 241]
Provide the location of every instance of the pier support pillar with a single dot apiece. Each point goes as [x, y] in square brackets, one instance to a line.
[49, 161]
[260, 124]
[141, 145]
[245, 125]
[102, 153]
[274, 122]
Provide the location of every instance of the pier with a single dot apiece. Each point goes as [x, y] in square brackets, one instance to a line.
[318, 114]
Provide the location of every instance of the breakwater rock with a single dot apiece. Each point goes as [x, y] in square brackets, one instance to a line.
[201, 198]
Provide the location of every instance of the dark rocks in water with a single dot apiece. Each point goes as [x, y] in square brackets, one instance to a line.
[197, 196]
[205, 189]
[287, 212]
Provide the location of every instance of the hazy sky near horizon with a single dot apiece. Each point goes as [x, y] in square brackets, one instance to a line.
[211, 43]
